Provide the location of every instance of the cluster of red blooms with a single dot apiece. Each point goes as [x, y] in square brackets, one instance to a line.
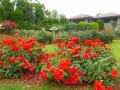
[64, 65]
[114, 74]
[98, 85]
[74, 49]
[19, 45]
[9, 25]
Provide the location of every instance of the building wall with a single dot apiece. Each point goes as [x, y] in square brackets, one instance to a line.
[108, 26]
[118, 24]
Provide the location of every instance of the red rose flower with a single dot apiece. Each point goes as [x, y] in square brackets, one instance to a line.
[64, 64]
[114, 73]
[43, 74]
[4, 64]
[58, 74]
[85, 56]
[19, 58]
[73, 70]
[88, 77]
[12, 60]
[74, 79]
[88, 42]
[15, 48]
[80, 73]
[110, 88]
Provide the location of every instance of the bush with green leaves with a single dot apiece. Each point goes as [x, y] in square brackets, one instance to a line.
[19, 56]
[44, 37]
[82, 25]
[94, 26]
[62, 35]
[104, 37]
[101, 24]
[76, 63]
[71, 26]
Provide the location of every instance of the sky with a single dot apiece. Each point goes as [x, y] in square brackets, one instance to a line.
[76, 7]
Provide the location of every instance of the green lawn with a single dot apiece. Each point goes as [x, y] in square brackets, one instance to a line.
[50, 48]
[115, 45]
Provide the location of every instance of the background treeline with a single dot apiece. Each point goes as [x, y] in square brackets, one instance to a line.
[30, 15]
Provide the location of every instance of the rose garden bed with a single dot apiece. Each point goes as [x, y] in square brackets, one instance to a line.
[72, 63]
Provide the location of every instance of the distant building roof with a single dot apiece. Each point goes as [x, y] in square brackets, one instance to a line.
[108, 15]
[81, 16]
[84, 16]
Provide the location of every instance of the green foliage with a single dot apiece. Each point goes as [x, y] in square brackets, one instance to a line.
[2, 13]
[63, 20]
[101, 24]
[33, 15]
[71, 26]
[94, 26]
[17, 16]
[44, 37]
[27, 10]
[9, 7]
[82, 25]
[104, 37]
[23, 25]
[62, 35]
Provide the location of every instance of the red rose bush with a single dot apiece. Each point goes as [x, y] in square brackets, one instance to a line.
[18, 56]
[75, 62]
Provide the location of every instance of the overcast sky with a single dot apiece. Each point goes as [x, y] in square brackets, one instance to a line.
[75, 7]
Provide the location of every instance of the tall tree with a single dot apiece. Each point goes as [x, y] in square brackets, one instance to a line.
[17, 16]
[9, 7]
[26, 8]
[38, 12]
[2, 13]
[63, 19]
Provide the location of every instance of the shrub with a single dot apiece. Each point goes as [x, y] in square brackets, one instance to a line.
[23, 25]
[44, 37]
[18, 56]
[8, 26]
[62, 35]
[71, 26]
[104, 37]
[77, 63]
[94, 26]
[27, 33]
[100, 24]
[82, 25]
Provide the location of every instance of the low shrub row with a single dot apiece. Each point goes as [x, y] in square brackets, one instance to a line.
[83, 26]
[48, 37]
[104, 37]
